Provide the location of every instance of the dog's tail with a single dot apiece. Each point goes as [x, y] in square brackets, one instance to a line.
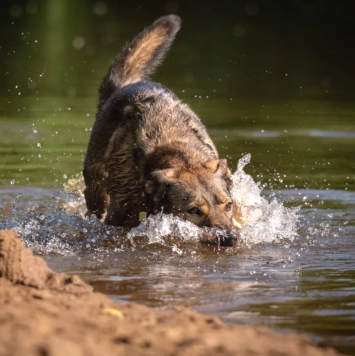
[140, 57]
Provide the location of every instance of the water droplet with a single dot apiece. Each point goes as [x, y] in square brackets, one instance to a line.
[12, 181]
[100, 8]
[78, 42]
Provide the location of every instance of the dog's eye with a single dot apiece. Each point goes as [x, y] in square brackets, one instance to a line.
[195, 211]
[228, 206]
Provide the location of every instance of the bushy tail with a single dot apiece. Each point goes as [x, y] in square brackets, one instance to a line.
[140, 58]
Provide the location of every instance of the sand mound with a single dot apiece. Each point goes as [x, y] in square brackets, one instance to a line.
[48, 314]
[19, 266]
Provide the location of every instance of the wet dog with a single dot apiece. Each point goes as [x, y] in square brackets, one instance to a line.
[149, 152]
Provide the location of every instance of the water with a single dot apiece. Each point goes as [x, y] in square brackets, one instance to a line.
[294, 268]
[58, 224]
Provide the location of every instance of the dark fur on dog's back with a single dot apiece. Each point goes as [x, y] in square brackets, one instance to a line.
[148, 151]
[159, 36]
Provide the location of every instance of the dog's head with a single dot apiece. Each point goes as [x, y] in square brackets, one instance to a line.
[200, 195]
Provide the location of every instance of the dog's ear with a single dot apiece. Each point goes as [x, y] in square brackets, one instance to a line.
[225, 173]
[220, 166]
[212, 165]
[223, 168]
[159, 177]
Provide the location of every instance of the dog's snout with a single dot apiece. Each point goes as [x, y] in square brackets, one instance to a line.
[227, 238]
[220, 237]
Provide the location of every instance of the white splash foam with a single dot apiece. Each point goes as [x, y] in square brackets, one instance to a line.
[263, 221]
[158, 227]
[58, 225]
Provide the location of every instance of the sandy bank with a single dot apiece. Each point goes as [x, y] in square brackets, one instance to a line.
[49, 314]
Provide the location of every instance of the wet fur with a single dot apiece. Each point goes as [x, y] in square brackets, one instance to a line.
[148, 151]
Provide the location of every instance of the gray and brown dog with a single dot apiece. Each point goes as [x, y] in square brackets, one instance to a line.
[148, 151]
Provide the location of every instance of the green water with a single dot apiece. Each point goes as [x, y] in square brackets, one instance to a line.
[271, 92]
[41, 145]
[238, 85]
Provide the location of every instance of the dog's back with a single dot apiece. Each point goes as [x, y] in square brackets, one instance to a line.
[144, 137]
[136, 62]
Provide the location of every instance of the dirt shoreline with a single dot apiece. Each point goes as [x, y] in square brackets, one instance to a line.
[44, 313]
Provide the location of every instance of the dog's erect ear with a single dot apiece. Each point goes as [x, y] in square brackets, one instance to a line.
[166, 174]
[212, 165]
[223, 168]
[159, 177]
[226, 173]
[218, 165]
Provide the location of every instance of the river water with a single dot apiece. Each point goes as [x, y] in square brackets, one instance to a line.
[294, 269]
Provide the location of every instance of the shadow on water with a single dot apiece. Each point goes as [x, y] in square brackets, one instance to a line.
[274, 79]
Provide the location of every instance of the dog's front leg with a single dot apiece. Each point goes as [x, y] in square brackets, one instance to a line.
[123, 212]
[95, 193]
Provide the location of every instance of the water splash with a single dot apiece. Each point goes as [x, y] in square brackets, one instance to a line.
[58, 225]
[158, 227]
[54, 226]
[264, 221]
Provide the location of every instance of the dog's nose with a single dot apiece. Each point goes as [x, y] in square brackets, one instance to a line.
[227, 238]
[220, 237]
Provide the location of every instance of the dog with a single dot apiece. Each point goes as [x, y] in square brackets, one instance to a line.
[149, 152]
